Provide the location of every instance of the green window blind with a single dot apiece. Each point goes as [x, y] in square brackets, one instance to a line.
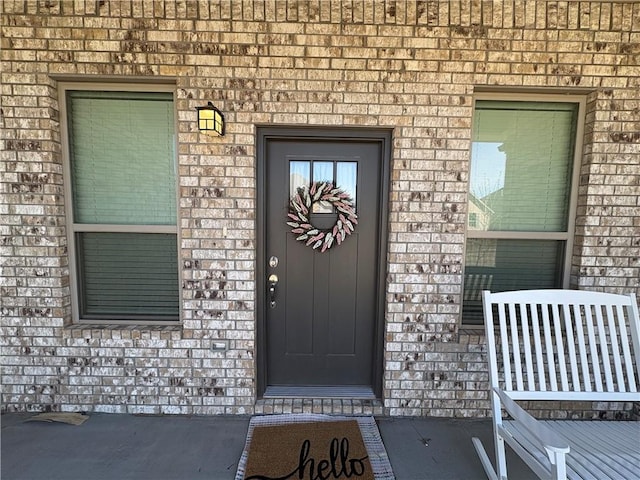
[128, 275]
[123, 169]
[502, 265]
[123, 173]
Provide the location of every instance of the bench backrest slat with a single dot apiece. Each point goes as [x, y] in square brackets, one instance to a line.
[571, 342]
[626, 351]
[604, 350]
[539, 351]
[563, 341]
[582, 344]
[593, 350]
[526, 341]
[615, 347]
[559, 347]
[551, 362]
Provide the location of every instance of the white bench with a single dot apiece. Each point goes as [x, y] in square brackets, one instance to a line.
[562, 345]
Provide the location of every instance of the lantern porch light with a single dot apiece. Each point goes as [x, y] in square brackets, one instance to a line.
[210, 120]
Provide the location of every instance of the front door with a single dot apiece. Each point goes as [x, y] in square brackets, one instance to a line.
[322, 322]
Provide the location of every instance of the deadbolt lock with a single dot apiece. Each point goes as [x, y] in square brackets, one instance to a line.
[273, 282]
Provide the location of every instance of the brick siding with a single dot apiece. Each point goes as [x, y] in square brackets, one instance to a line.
[410, 66]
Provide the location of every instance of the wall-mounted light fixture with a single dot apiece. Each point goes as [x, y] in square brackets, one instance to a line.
[210, 120]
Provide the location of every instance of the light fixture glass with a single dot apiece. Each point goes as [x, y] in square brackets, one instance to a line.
[210, 120]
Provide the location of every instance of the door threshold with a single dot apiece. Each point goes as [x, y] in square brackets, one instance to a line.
[350, 392]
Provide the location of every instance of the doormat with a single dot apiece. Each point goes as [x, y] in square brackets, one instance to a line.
[62, 417]
[313, 447]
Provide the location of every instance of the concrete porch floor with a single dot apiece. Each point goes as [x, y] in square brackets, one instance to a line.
[121, 447]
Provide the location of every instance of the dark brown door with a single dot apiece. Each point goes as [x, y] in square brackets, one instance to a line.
[322, 321]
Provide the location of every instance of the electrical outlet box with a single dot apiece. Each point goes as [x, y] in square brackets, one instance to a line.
[220, 345]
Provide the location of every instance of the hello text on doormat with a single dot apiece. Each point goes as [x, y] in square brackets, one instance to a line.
[308, 451]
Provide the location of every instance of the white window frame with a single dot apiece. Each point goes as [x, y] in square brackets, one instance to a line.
[74, 228]
[568, 235]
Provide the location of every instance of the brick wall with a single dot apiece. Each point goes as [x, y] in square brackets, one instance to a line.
[410, 66]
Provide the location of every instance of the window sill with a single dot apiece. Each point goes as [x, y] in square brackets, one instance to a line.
[106, 330]
[471, 336]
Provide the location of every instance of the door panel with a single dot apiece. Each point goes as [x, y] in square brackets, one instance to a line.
[322, 330]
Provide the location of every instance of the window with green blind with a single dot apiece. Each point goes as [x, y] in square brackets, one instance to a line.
[519, 228]
[122, 178]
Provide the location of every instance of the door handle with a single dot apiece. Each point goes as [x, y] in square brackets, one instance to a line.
[273, 282]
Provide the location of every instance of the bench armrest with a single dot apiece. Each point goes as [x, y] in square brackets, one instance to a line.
[551, 441]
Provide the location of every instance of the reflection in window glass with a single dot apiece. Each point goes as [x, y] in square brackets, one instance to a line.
[344, 174]
[521, 165]
[505, 264]
[299, 175]
[323, 171]
[346, 178]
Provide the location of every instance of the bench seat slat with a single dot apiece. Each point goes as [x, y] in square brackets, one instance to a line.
[603, 445]
[574, 472]
[600, 450]
[598, 436]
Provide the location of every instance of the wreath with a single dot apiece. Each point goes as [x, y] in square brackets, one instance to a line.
[300, 208]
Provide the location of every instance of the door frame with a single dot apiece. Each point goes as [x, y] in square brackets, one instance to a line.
[266, 133]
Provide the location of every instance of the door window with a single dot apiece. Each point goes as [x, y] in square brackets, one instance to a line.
[343, 174]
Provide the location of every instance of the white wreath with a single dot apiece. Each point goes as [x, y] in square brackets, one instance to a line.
[300, 208]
